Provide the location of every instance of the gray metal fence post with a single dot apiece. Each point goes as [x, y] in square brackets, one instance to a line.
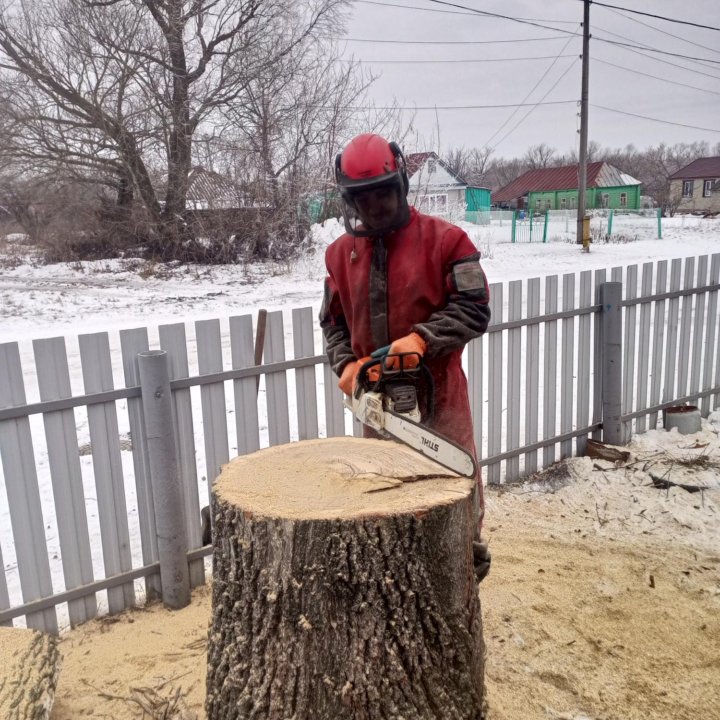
[167, 493]
[614, 430]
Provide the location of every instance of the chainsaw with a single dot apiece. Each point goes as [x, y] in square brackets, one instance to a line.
[386, 399]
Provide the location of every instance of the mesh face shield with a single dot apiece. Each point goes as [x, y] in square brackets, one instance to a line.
[372, 179]
[375, 209]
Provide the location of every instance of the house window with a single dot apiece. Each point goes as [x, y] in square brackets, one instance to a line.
[573, 203]
[605, 200]
[432, 165]
[687, 188]
[548, 204]
[434, 204]
[707, 188]
[563, 203]
[537, 203]
[623, 199]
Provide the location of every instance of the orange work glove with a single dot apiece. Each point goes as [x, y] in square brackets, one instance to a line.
[412, 343]
[348, 378]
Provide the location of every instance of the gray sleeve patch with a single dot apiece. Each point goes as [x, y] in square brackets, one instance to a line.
[469, 277]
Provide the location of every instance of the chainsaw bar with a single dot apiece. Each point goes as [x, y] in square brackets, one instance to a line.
[432, 445]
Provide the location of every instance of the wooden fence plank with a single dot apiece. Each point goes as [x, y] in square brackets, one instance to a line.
[567, 364]
[644, 348]
[4, 595]
[242, 347]
[598, 279]
[133, 342]
[495, 382]
[276, 383]
[672, 333]
[711, 334]
[305, 383]
[334, 410]
[629, 331]
[21, 485]
[698, 340]
[584, 359]
[550, 370]
[476, 392]
[107, 468]
[512, 413]
[659, 354]
[173, 341]
[66, 476]
[212, 399]
[686, 312]
[532, 374]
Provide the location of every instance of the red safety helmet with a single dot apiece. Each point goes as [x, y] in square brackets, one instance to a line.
[367, 163]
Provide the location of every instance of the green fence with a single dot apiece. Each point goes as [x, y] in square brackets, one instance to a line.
[529, 226]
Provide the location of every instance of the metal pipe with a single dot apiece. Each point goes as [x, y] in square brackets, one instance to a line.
[167, 493]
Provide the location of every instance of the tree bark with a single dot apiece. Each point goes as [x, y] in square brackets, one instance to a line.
[343, 587]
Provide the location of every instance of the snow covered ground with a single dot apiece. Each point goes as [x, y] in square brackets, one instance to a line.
[40, 301]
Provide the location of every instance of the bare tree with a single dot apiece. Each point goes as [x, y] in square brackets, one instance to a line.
[126, 83]
[470, 164]
[539, 156]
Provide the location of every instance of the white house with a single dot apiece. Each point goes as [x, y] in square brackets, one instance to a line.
[434, 188]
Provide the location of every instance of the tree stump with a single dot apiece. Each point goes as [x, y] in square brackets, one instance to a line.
[29, 668]
[343, 587]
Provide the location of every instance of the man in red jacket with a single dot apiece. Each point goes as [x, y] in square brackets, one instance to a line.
[401, 278]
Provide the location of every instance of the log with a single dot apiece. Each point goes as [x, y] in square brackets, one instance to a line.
[343, 587]
[29, 668]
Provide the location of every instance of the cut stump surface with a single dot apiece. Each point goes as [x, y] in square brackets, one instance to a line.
[29, 668]
[343, 587]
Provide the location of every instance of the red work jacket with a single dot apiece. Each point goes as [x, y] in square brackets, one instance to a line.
[425, 278]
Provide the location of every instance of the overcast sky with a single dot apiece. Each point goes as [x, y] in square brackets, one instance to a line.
[510, 81]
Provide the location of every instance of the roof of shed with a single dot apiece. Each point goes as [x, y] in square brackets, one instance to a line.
[708, 167]
[565, 177]
[208, 186]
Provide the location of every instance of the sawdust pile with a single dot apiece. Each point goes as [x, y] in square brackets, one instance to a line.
[603, 604]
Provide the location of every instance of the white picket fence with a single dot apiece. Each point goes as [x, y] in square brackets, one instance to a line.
[543, 379]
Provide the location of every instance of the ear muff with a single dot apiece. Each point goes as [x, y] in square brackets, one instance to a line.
[401, 164]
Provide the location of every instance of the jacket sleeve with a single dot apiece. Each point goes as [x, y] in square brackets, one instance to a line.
[466, 315]
[335, 329]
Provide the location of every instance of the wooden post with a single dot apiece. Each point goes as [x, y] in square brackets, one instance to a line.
[615, 432]
[343, 586]
[169, 507]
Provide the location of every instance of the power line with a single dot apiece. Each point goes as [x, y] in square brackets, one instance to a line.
[665, 62]
[450, 42]
[643, 46]
[455, 12]
[471, 60]
[658, 120]
[456, 107]
[657, 17]
[662, 52]
[535, 105]
[485, 13]
[656, 77]
[540, 79]
[664, 32]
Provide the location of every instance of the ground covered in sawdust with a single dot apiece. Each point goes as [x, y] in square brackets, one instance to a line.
[603, 604]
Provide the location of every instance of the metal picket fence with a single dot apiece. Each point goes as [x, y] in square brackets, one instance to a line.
[565, 358]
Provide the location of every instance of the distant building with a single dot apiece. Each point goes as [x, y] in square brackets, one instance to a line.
[556, 188]
[208, 190]
[697, 186]
[434, 188]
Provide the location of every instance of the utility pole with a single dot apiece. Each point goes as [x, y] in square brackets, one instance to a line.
[583, 226]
